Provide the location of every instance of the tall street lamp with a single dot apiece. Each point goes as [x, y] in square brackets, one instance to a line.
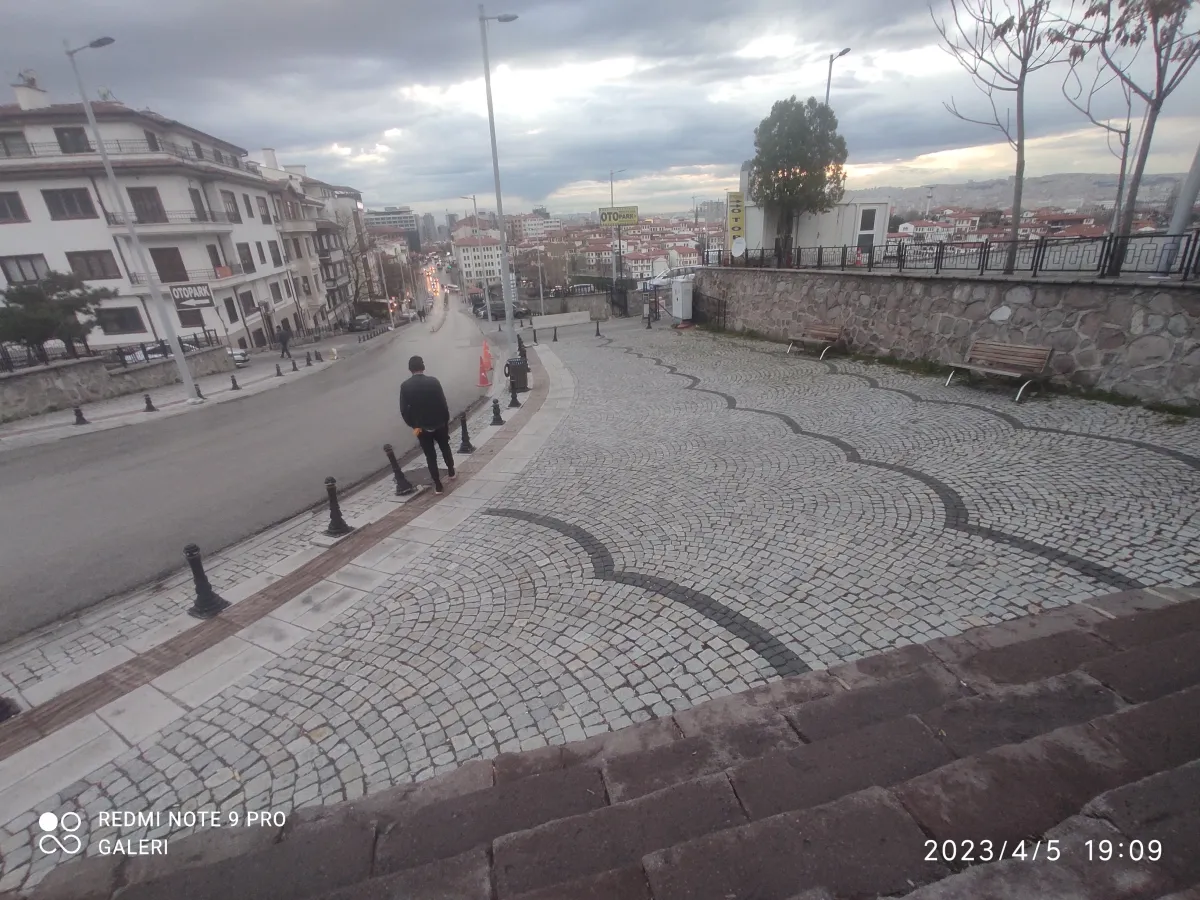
[505, 285]
[829, 79]
[487, 301]
[612, 202]
[139, 251]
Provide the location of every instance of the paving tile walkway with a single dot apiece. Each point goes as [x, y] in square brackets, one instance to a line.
[681, 517]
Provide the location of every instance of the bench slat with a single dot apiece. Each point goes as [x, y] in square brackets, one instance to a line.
[1014, 360]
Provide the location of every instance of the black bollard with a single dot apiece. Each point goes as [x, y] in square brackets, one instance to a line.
[403, 485]
[337, 525]
[647, 320]
[496, 420]
[465, 445]
[150, 407]
[318, 355]
[500, 326]
[294, 369]
[278, 371]
[555, 334]
[233, 385]
[79, 419]
[535, 335]
[597, 328]
[513, 403]
[307, 359]
[208, 603]
[199, 396]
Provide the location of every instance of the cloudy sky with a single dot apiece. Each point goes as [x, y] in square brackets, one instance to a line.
[387, 95]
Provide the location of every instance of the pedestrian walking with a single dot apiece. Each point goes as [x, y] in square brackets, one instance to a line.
[424, 409]
[284, 337]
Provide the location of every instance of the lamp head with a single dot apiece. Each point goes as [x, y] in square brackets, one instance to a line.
[506, 17]
[844, 52]
[101, 42]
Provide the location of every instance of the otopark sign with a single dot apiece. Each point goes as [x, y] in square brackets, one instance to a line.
[613, 216]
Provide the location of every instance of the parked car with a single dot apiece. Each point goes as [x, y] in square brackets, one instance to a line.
[362, 322]
[664, 279]
[241, 358]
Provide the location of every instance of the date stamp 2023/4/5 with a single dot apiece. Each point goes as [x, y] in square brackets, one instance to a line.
[968, 852]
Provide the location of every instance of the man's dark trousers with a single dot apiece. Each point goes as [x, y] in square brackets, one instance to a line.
[284, 351]
[430, 441]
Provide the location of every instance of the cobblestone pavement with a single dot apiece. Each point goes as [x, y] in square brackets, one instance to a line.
[705, 515]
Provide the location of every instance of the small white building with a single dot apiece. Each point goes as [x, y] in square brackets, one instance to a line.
[205, 214]
[478, 259]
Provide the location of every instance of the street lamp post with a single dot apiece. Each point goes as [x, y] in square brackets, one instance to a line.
[541, 290]
[829, 79]
[505, 284]
[139, 251]
[612, 202]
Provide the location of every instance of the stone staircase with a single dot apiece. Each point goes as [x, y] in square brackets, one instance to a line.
[1025, 740]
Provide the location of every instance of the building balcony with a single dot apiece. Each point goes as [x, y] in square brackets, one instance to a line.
[174, 221]
[332, 284]
[39, 153]
[293, 225]
[191, 276]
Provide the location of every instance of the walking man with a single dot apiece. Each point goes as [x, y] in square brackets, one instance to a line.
[283, 337]
[424, 409]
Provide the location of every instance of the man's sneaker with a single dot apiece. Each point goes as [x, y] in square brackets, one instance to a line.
[438, 489]
[452, 474]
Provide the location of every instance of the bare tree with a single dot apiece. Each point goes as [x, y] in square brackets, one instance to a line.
[1000, 43]
[1084, 98]
[359, 247]
[1113, 26]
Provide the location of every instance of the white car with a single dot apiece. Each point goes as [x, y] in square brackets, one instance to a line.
[664, 279]
[241, 358]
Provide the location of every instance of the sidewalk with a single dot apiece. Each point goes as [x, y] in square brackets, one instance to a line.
[172, 400]
[669, 518]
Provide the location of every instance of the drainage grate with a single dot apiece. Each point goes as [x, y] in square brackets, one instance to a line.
[8, 708]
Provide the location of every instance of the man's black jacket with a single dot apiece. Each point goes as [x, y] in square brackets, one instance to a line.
[423, 403]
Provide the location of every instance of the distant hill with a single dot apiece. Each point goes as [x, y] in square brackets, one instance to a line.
[1067, 190]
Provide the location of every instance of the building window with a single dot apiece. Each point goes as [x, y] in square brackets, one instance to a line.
[219, 158]
[70, 203]
[262, 256]
[151, 140]
[147, 204]
[249, 206]
[306, 285]
[246, 299]
[168, 263]
[231, 207]
[287, 286]
[246, 257]
[276, 259]
[278, 212]
[276, 293]
[214, 256]
[24, 269]
[11, 207]
[13, 144]
[263, 212]
[199, 151]
[230, 310]
[287, 256]
[93, 265]
[73, 140]
[191, 318]
[120, 320]
[295, 287]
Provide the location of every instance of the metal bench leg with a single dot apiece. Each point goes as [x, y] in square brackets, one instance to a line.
[826, 350]
[953, 372]
[1021, 390]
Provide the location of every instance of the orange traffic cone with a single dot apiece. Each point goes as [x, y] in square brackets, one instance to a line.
[487, 354]
[485, 371]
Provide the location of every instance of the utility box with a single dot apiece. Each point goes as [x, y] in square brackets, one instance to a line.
[516, 370]
[681, 299]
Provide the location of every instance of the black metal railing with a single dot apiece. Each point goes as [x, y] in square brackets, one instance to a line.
[707, 310]
[39, 149]
[21, 356]
[169, 217]
[186, 275]
[1172, 256]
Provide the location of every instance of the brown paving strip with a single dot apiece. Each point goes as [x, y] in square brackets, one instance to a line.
[23, 730]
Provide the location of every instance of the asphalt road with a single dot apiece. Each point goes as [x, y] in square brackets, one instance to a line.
[91, 516]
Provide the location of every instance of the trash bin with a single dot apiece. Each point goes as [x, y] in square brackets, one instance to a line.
[516, 370]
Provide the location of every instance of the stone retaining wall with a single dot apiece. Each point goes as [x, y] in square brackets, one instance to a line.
[1140, 339]
[77, 382]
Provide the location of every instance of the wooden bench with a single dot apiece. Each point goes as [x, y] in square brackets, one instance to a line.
[824, 336]
[1011, 360]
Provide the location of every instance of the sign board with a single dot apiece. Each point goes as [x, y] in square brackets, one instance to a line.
[191, 296]
[735, 217]
[612, 216]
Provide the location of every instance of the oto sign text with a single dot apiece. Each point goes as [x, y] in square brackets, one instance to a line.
[191, 296]
[612, 216]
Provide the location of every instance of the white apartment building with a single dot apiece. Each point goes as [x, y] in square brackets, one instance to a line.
[471, 227]
[478, 259]
[205, 214]
[401, 217]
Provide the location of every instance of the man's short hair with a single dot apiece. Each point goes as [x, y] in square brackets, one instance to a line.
[416, 364]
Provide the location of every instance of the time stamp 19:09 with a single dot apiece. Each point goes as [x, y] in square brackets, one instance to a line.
[59, 834]
[1051, 850]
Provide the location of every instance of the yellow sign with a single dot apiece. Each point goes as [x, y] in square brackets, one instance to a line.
[612, 216]
[735, 216]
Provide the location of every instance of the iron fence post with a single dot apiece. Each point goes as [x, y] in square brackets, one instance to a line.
[871, 258]
[937, 257]
[900, 257]
[843, 256]
[983, 256]
[1038, 249]
[820, 257]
